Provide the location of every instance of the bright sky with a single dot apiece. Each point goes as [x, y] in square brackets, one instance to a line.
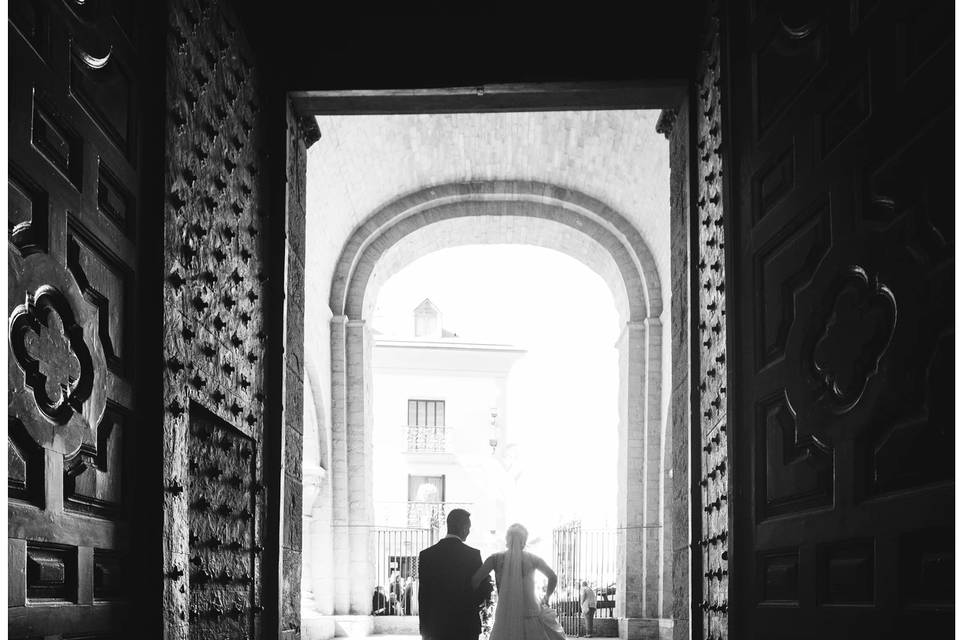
[562, 396]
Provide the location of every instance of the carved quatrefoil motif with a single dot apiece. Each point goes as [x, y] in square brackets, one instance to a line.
[49, 348]
[58, 366]
[845, 326]
[854, 339]
[55, 363]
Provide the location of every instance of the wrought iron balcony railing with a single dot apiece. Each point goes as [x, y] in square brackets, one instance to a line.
[415, 514]
[426, 439]
[431, 515]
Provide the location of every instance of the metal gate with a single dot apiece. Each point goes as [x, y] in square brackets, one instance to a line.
[583, 555]
[397, 550]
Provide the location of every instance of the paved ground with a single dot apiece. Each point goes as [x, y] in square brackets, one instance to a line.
[396, 637]
[388, 637]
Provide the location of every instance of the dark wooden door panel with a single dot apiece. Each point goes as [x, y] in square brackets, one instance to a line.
[216, 216]
[73, 193]
[844, 318]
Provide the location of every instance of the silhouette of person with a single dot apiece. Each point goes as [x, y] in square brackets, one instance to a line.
[588, 605]
[379, 605]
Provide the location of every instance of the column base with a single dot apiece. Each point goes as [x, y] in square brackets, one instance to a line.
[348, 626]
[314, 626]
[319, 627]
[646, 628]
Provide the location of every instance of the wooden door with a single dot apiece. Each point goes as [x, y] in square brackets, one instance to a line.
[217, 552]
[841, 428]
[73, 233]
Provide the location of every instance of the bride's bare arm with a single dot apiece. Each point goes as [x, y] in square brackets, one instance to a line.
[544, 568]
[483, 571]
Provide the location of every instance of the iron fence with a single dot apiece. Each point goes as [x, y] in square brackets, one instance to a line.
[583, 555]
[396, 552]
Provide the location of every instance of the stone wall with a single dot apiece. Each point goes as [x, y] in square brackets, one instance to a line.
[300, 134]
[363, 162]
[675, 125]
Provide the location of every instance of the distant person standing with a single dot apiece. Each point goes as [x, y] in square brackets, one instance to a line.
[395, 585]
[414, 605]
[407, 600]
[588, 606]
[379, 605]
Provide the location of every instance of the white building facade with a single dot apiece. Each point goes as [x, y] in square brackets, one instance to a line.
[440, 430]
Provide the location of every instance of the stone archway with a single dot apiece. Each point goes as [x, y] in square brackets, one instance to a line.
[629, 269]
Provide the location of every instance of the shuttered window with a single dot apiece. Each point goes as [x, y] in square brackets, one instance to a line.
[426, 413]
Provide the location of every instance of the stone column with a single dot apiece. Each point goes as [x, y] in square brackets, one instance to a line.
[630, 485]
[318, 562]
[640, 504]
[313, 562]
[322, 532]
[652, 478]
[339, 516]
[359, 376]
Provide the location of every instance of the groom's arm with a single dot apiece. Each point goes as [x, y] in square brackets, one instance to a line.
[486, 587]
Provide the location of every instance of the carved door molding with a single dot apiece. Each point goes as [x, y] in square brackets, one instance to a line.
[842, 253]
[73, 283]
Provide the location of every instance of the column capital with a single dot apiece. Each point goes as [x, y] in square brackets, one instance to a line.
[630, 327]
[309, 130]
[668, 117]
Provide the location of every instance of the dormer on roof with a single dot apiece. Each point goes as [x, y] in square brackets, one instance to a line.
[427, 320]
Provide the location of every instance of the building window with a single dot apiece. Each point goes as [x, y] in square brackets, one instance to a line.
[425, 498]
[426, 413]
[426, 426]
[426, 488]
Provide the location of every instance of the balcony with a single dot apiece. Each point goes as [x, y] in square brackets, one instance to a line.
[416, 515]
[423, 439]
[432, 515]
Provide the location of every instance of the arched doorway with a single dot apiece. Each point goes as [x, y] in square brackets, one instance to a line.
[504, 212]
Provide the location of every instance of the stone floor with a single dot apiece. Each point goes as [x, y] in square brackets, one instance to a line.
[394, 637]
[387, 637]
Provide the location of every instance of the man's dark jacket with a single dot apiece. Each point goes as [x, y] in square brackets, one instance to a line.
[449, 607]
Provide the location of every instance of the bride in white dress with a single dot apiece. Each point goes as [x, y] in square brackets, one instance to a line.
[519, 616]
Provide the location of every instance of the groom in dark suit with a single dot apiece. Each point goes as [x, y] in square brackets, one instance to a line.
[449, 607]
